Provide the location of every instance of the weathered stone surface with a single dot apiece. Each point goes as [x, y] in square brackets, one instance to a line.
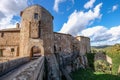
[33, 71]
[102, 56]
[60, 50]
[39, 28]
[9, 38]
[6, 66]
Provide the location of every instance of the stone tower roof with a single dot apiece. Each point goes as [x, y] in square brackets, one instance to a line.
[37, 6]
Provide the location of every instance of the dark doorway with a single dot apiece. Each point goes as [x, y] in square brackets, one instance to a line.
[35, 52]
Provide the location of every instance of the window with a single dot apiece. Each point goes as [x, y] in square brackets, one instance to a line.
[12, 50]
[36, 16]
[39, 33]
[2, 34]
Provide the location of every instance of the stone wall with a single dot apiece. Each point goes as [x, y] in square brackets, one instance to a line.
[102, 56]
[9, 42]
[10, 51]
[62, 43]
[9, 65]
[52, 68]
[73, 50]
[33, 71]
[84, 44]
[9, 38]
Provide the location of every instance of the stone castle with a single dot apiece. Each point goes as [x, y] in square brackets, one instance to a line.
[34, 36]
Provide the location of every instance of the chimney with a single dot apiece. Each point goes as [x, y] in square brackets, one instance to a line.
[17, 25]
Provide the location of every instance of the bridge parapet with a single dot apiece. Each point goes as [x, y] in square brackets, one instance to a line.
[33, 71]
[9, 65]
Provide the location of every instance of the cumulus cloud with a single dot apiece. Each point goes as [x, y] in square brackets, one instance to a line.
[79, 19]
[102, 34]
[115, 7]
[89, 4]
[9, 9]
[57, 2]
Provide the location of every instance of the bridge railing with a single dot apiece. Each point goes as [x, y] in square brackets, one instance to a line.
[34, 71]
[6, 67]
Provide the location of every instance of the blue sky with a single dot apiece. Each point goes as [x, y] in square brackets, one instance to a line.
[97, 19]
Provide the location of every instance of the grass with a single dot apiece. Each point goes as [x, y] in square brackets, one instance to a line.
[88, 74]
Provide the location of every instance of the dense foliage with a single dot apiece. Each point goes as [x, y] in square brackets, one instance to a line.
[114, 53]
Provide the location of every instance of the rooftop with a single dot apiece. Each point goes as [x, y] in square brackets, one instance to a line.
[10, 30]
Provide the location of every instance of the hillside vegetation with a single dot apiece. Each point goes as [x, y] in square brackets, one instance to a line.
[90, 74]
[114, 53]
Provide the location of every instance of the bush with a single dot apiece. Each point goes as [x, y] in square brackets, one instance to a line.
[102, 66]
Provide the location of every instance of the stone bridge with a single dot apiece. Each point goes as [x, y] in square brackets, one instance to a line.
[30, 70]
[41, 68]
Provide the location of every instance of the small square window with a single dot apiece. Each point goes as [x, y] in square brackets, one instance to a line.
[12, 50]
[36, 16]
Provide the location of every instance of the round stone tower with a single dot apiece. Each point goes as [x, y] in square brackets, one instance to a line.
[36, 30]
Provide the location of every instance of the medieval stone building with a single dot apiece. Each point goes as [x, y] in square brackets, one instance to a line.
[34, 36]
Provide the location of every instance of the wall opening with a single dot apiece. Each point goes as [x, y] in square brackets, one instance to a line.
[36, 16]
[35, 52]
[55, 49]
[12, 52]
[2, 34]
[1, 52]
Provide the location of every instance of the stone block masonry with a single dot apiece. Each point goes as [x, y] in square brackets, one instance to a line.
[9, 65]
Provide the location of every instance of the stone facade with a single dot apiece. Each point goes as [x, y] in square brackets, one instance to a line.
[36, 30]
[9, 42]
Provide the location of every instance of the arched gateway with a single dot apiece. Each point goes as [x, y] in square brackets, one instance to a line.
[35, 52]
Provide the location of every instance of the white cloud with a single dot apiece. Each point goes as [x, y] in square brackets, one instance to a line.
[103, 35]
[79, 19]
[89, 4]
[9, 9]
[115, 7]
[57, 2]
